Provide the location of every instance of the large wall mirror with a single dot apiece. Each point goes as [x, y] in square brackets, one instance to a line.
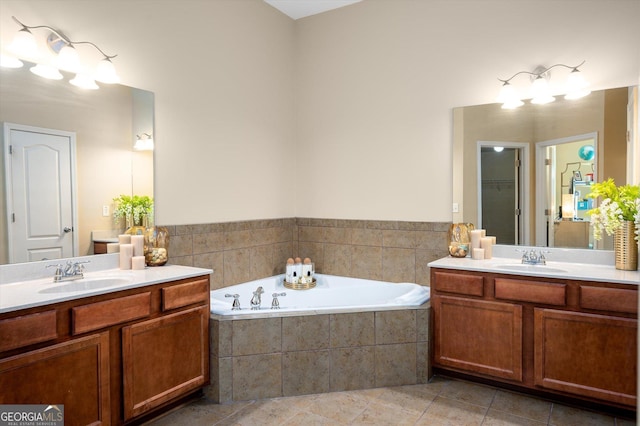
[105, 124]
[516, 170]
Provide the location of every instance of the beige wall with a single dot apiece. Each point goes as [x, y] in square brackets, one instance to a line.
[377, 82]
[364, 92]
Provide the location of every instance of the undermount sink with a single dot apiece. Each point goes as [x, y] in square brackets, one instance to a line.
[531, 268]
[85, 284]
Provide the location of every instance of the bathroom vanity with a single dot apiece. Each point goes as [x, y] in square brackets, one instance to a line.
[116, 355]
[568, 332]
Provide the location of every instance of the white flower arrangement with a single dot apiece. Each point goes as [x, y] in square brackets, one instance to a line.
[135, 207]
[619, 204]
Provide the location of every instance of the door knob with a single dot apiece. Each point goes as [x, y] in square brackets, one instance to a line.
[67, 229]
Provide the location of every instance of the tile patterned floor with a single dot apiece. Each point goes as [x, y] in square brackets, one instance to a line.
[441, 402]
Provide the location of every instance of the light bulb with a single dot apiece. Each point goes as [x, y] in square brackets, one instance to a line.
[9, 61]
[83, 81]
[540, 92]
[508, 97]
[68, 59]
[106, 72]
[24, 44]
[46, 71]
[577, 86]
[143, 144]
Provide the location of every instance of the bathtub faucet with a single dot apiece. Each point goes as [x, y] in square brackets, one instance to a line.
[274, 303]
[236, 302]
[256, 300]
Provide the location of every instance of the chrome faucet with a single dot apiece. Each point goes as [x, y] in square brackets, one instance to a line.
[71, 271]
[275, 304]
[256, 300]
[531, 257]
[236, 301]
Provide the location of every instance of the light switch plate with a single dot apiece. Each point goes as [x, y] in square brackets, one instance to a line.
[456, 209]
[105, 211]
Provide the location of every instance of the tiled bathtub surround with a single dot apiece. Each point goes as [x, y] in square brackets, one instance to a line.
[298, 355]
[244, 251]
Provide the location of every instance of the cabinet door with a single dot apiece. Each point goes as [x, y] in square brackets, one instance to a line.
[478, 336]
[586, 354]
[164, 358]
[74, 374]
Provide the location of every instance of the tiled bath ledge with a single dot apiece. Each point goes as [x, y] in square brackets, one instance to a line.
[298, 355]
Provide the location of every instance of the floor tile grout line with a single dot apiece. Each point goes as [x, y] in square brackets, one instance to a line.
[493, 398]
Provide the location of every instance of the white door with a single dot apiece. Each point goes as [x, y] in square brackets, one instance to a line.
[40, 197]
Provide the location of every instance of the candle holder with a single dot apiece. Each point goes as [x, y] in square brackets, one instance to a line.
[460, 239]
[156, 246]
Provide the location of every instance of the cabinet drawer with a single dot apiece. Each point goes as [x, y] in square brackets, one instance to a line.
[105, 314]
[185, 294]
[609, 299]
[531, 291]
[461, 284]
[27, 330]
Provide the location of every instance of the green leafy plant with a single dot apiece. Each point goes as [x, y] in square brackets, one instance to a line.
[619, 204]
[133, 208]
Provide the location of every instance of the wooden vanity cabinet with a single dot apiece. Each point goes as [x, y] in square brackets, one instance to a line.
[117, 358]
[479, 336]
[567, 338]
[168, 356]
[74, 373]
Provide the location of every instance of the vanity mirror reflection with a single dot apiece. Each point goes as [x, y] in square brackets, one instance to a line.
[543, 141]
[105, 124]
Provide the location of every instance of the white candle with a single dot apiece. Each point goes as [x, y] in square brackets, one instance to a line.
[126, 253]
[477, 254]
[124, 239]
[113, 247]
[476, 234]
[486, 243]
[137, 262]
[493, 240]
[138, 245]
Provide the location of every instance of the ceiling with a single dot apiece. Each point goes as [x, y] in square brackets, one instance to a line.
[297, 9]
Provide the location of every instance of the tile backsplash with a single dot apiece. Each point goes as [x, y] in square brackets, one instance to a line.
[242, 251]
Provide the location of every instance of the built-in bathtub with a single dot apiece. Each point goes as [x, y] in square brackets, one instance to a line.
[331, 294]
[344, 334]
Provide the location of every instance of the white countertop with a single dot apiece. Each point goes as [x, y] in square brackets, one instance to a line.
[16, 295]
[552, 269]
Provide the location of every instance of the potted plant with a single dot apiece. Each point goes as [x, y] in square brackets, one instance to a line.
[618, 215]
[135, 209]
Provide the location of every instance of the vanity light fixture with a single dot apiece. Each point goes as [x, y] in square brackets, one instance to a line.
[576, 86]
[25, 46]
[144, 142]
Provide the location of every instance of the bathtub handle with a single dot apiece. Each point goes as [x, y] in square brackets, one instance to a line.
[275, 304]
[236, 301]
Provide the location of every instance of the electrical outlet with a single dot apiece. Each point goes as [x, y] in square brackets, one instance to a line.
[456, 209]
[105, 211]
